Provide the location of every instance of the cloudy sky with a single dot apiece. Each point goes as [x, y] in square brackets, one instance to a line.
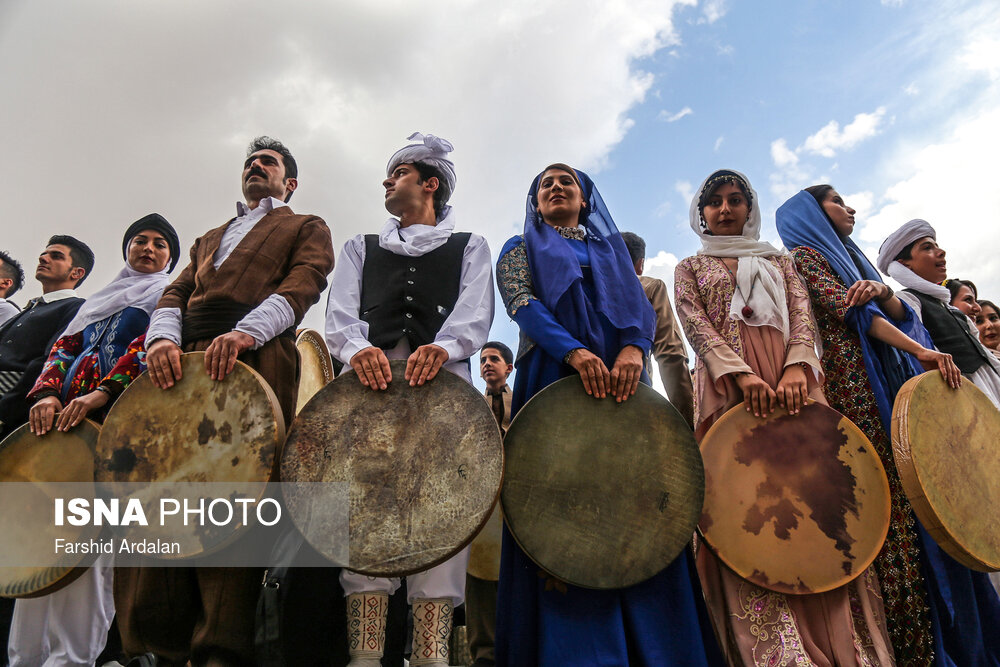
[112, 109]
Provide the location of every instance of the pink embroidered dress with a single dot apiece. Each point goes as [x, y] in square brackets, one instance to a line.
[755, 626]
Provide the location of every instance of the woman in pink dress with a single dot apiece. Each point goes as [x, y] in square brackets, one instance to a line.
[746, 313]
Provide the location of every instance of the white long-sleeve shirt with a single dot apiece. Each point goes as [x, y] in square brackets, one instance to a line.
[272, 316]
[466, 328]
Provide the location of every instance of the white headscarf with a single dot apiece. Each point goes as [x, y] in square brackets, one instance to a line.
[759, 283]
[416, 240]
[129, 288]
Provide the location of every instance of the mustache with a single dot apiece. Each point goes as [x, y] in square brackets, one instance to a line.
[256, 171]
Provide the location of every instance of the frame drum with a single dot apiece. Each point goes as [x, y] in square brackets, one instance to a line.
[316, 368]
[28, 527]
[200, 430]
[793, 503]
[945, 444]
[601, 494]
[422, 467]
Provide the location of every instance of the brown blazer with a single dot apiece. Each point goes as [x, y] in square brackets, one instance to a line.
[668, 349]
[286, 254]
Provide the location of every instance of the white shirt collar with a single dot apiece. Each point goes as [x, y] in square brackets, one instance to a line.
[267, 204]
[58, 295]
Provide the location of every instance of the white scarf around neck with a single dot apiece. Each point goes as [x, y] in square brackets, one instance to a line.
[417, 240]
[130, 288]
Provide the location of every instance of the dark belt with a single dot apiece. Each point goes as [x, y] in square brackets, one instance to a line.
[217, 317]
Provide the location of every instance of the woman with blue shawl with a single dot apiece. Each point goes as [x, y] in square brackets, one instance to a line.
[936, 610]
[569, 284]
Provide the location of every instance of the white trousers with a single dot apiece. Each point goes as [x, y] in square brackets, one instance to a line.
[446, 580]
[67, 628]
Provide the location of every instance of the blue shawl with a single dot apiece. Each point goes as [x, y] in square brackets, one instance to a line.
[802, 222]
[558, 279]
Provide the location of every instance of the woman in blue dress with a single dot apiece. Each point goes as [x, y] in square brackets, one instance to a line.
[569, 284]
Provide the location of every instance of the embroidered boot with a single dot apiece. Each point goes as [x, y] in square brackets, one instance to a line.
[366, 614]
[431, 630]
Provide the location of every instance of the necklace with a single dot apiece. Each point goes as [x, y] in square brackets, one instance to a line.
[747, 311]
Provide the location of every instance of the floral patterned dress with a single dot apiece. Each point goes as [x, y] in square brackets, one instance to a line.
[845, 626]
[849, 391]
[109, 353]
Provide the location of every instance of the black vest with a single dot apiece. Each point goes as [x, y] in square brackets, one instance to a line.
[409, 296]
[950, 333]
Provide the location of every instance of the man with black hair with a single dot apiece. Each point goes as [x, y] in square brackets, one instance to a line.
[420, 292]
[668, 346]
[496, 363]
[11, 280]
[26, 338]
[248, 285]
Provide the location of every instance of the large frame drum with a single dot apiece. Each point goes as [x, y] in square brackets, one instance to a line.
[27, 526]
[224, 432]
[793, 503]
[598, 493]
[946, 443]
[422, 468]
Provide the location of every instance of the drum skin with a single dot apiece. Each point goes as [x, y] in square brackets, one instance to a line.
[315, 368]
[423, 467]
[601, 494]
[796, 504]
[945, 442]
[54, 457]
[199, 430]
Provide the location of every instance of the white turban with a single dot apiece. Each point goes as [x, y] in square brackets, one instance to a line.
[901, 239]
[433, 151]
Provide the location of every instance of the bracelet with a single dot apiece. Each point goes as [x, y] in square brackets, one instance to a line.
[569, 355]
[104, 390]
[888, 296]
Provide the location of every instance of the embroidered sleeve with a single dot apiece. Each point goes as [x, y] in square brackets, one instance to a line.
[129, 366]
[826, 289]
[801, 330]
[691, 311]
[514, 278]
[64, 352]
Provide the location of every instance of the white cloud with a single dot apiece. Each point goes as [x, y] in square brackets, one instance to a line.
[674, 117]
[109, 115]
[718, 144]
[712, 11]
[830, 138]
[983, 54]
[685, 190]
[912, 89]
[892, 3]
[782, 155]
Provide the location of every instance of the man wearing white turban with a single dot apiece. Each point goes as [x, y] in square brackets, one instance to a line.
[913, 258]
[421, 292]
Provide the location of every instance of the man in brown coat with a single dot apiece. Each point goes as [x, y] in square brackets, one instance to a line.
[249, 283]
[668, 346]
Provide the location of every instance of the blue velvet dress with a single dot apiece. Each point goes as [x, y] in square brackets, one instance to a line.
[543, 621]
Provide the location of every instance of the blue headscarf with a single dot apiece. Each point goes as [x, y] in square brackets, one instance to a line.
[802, 222]
[558, 280]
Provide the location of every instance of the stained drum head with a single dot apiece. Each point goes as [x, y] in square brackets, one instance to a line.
[199, 430]
[793, 503]
[423, 467]
[601, 494]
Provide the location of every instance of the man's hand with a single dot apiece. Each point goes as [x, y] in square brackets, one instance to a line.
[424, 364]
[220, 357]
[372, 367]
[593, 372]
[77, 409]
[163, 361]
[42, 413]
[626, 373]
